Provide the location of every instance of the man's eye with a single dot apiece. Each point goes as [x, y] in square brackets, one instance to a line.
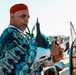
[23, 16]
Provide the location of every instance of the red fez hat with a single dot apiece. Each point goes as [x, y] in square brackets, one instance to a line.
[18, 7]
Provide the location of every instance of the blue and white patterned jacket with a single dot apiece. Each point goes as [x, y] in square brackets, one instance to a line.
[17, 53]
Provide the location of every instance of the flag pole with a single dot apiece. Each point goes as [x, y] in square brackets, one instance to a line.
[72, 39]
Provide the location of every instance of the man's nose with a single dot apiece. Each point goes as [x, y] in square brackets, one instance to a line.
[26, 18]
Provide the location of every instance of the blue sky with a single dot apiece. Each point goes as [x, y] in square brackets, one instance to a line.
[54, 15]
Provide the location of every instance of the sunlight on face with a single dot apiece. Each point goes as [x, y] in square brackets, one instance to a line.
[20, 19]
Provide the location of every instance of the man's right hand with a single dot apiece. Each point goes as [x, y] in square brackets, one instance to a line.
[54, 50]
[56, 53]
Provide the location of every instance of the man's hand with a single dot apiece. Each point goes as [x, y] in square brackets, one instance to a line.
[58, 57]
[54, 50]
[56, 53]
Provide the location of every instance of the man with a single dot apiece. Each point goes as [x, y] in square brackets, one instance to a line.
[62, 44]
[56, 40]
[19, 54]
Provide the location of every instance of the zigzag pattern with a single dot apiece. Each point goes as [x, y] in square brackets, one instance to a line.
[10, 55]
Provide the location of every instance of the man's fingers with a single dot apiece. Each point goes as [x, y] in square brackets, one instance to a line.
[54, 50]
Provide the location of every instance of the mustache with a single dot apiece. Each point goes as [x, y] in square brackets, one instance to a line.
[25, 25]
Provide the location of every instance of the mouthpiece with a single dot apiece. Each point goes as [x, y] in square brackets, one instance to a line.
[37, 20]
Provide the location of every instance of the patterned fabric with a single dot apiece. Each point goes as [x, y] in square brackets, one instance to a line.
[17, 53]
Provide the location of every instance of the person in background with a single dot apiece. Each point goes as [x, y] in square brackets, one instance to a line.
[56, 41]
[62, 44]
[19, 54]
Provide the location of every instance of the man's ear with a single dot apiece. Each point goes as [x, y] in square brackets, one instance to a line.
[11, 15]
[11, 18]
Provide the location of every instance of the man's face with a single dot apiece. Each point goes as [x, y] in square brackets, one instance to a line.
[20, 19]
